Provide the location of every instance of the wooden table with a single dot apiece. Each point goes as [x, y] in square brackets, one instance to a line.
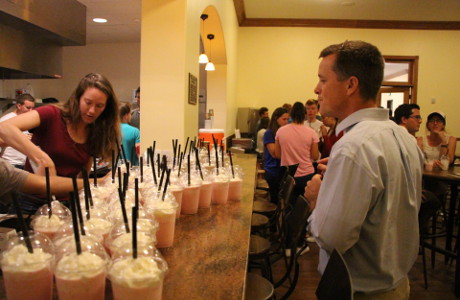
[210, 254]
[451, 177]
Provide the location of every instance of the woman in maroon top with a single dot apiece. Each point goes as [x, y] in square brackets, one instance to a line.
[66, 136]
[329, 136]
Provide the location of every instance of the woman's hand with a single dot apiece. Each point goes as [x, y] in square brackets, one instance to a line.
[41, 161]
[437, 163]
[323, 130]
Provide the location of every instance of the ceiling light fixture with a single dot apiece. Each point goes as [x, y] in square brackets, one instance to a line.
[100, 20]
[203, 59]
[210, 65]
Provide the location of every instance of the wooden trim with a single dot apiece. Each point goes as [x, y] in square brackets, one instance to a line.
[338, 23]
[240, 11]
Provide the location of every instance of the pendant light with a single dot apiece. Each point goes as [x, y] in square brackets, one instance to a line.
[203, 59]
[210, 65]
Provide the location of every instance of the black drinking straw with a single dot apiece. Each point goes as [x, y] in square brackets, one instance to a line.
[158, 164]
[76, 232]
[94, 170]
[194, 141]
[125, 184]
[188, 169]
[77, 203]
[197, 158]
[180, 163]
[127, 168]
[119, 177]
[209, 154]
[178, 154]
[217, 155]
[113, 166]
[152, 164]
[85, 193]
[123, 209]
[231, 162]
[133, 152]
[142, 167]
[136, 192]
[168, 172]
[161, 180]
[86, 186]
[186, 145]
[148, 155]
[48, 191]
[192, 144]
[134, 234]
[222, 152]
[22, 224]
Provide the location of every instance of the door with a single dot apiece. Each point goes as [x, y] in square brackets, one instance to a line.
[392, 97]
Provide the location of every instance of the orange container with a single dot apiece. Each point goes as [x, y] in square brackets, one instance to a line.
[207, 134]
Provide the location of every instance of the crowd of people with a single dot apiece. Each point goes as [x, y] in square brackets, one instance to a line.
[360, 172]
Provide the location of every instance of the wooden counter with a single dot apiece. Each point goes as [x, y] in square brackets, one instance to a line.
[210, 254]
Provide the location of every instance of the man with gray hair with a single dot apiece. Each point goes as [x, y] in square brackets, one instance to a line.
[24, 103]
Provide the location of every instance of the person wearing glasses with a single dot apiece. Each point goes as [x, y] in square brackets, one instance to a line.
[437, 142]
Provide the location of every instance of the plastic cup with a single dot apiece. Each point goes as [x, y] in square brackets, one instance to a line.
[220, 188]
[205, 194]
[45, 224]
[429, 165]
[81, 276]
[140, 278]
[178, 192]
[191, 199]
[29, 275]
[165, 214]
[235, 188]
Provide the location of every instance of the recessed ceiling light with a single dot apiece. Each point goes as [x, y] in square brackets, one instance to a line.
[100, 20]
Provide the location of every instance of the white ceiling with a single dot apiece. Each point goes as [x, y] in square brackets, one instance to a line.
[124, 15]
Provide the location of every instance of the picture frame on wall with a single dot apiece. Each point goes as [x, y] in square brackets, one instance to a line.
[192, 89]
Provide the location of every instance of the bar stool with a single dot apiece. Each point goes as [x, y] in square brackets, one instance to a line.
[258, 288]
[259, 257]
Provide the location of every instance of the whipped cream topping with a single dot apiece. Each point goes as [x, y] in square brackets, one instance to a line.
[98, 225]
[221, 178]
[45, 223]
[136, 273]
[75, 267]
[18, 259]
[125, 240]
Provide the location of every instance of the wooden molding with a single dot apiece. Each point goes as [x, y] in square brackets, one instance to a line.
[337, 23]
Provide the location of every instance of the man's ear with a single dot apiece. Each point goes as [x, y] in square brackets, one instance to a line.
[352, 85]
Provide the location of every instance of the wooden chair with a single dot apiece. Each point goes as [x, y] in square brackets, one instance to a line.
[336, 281]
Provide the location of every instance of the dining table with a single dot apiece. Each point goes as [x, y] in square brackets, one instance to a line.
[451, 177]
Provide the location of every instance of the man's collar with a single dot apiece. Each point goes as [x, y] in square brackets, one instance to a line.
[365, 114]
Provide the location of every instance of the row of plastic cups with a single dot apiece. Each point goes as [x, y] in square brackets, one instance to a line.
[79, 275]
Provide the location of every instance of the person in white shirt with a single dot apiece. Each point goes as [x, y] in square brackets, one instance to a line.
[366, 207]
[24, 103]
[311, 106]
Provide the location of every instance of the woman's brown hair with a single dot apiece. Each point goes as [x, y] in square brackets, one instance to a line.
[105, 131]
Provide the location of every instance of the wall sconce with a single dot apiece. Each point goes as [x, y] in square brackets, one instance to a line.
[203, 59]
[210, 65]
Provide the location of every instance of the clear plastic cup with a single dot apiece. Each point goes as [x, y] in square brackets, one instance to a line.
[28, 275]
[178, 191]
[191, 195]
[45, 224]
[81, 276]
[140, 278]
[165, 213]
[220, 187]
[236, 183]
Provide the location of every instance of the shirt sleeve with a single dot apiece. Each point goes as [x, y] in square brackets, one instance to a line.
[11, 178]
[268, 137]
[342, 204]
[137, 135]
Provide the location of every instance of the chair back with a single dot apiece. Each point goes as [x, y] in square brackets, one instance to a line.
[286, 190]
[336, 280]
[297, 218]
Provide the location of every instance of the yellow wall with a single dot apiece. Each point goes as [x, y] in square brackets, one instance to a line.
[169, 52]
[278, 65]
